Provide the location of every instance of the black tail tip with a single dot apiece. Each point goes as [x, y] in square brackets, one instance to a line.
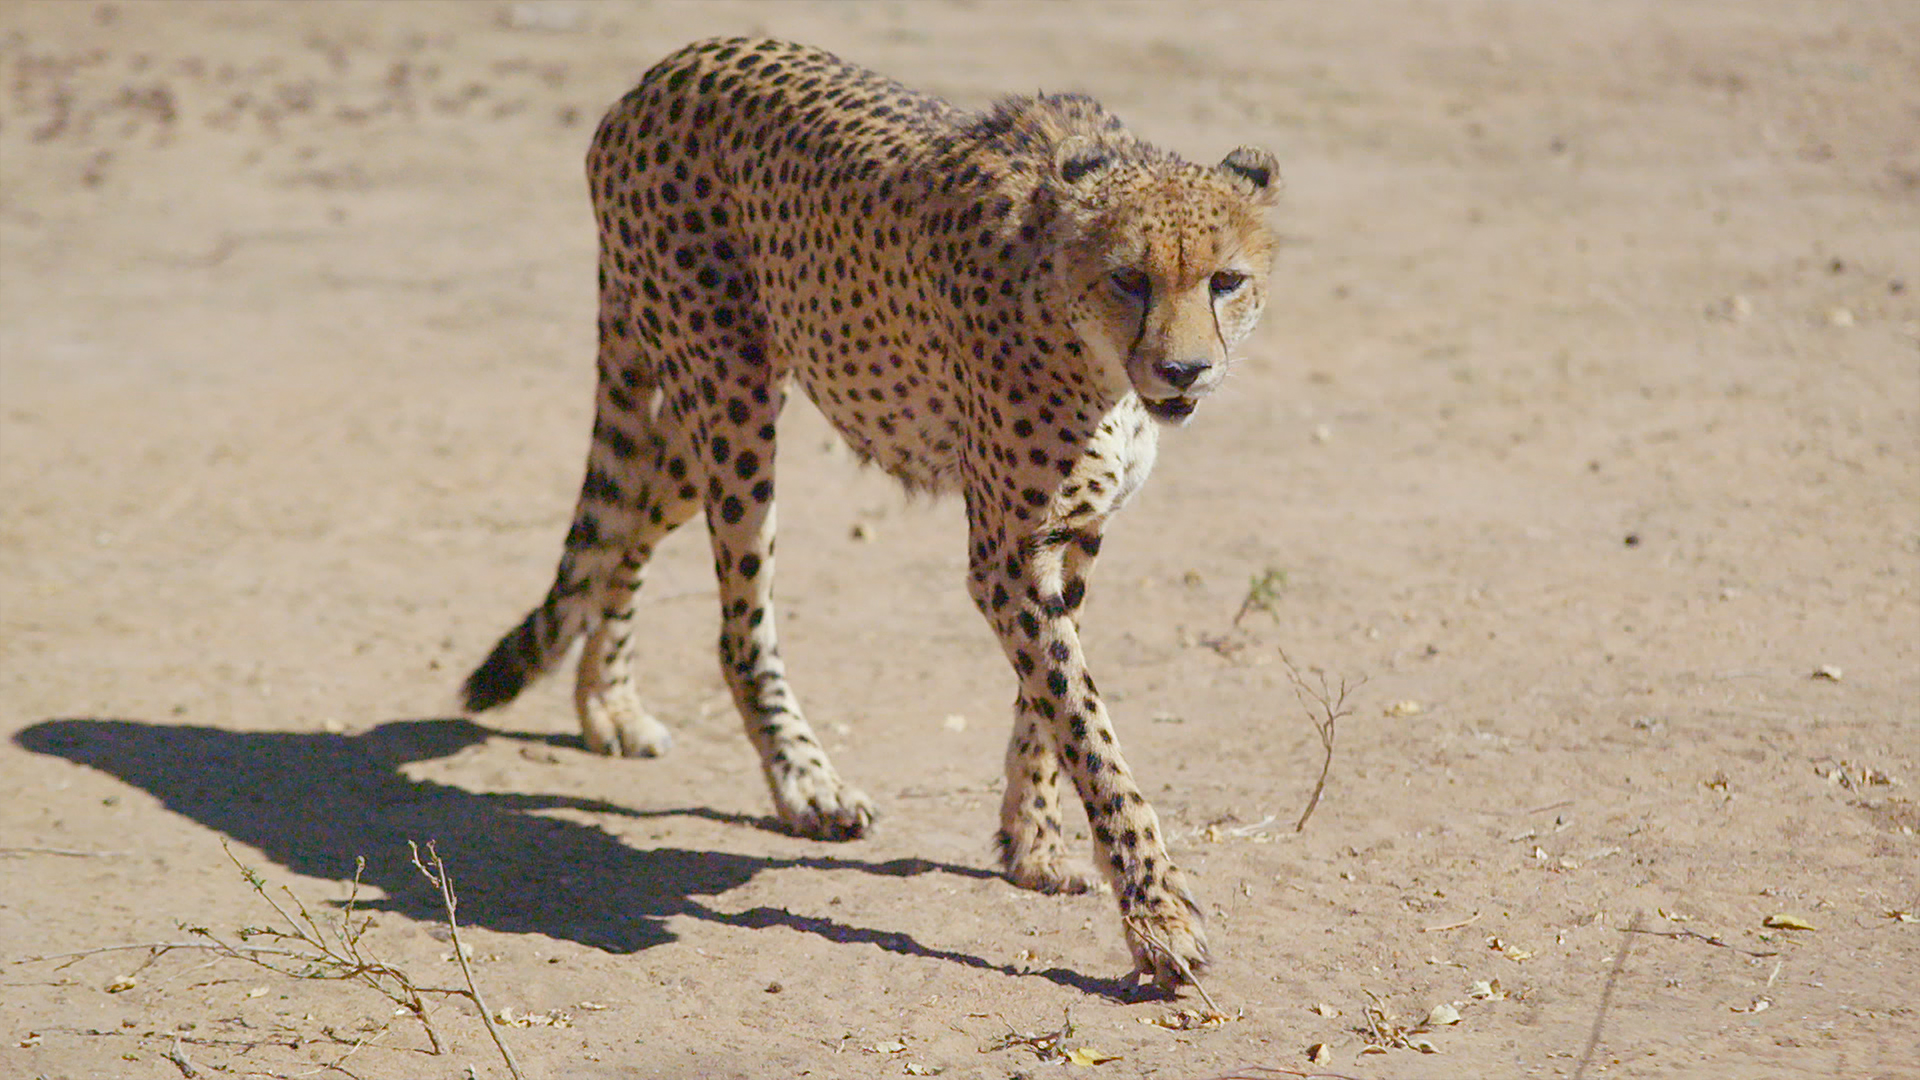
[497, 681]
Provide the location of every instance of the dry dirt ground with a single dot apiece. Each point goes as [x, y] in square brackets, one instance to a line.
[1583, 427]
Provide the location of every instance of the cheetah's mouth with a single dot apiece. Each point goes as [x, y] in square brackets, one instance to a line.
[1173, 410]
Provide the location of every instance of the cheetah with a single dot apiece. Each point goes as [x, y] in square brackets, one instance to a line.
[1006, 304]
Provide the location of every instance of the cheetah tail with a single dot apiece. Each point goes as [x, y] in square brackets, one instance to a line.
[522, 656]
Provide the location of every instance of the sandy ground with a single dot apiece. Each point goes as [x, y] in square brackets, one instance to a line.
[1583, 427]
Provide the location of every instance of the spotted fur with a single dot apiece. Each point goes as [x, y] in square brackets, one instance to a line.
[1006, 305]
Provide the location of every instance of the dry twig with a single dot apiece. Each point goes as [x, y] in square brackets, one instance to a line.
[180, 1061]
[1159, 945]
[307, 948]
[1381, 1030]
[438, 875]
[337, 953]
[1325, 706]
[1046, 1045]
[1635, 928]
[159, 949]
[353, 1045]
[1263, 1072]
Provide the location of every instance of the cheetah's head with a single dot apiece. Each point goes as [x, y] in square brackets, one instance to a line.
[1164, 266]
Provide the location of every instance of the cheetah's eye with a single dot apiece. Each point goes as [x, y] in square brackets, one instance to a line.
[1226, 282]
[1131, 283]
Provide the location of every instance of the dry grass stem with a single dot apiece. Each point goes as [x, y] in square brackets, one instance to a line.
[1695, 935]
[180, 1061]
[438, 875]
[337, 953]
[1264, 1072]
[159, 948]
[306, 947]
[1381, 1030]
[1159, 946]
[1325, 705]
[1046, 1045]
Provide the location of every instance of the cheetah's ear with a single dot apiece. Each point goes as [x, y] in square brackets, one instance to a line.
[1254, 172]
[1078, 157]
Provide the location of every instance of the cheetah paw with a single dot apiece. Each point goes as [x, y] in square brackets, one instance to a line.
[1168, 943]
[621, 728]
[821, 806]
[1051, 873]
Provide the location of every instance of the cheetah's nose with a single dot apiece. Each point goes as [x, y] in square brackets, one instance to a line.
[1179, 374]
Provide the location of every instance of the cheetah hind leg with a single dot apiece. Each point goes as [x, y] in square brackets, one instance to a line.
[637, 491]
[612, 719]
[1033, 853]
[614, 722]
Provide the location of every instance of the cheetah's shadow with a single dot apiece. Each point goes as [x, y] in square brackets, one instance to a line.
[312, 802]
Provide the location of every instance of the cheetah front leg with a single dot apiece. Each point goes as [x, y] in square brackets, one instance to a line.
[738, 444]
[1031, 591]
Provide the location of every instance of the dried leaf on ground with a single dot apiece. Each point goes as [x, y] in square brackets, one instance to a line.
[1510, 951]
